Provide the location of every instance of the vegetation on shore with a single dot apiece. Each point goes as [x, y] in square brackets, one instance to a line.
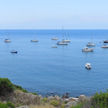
[12, 96]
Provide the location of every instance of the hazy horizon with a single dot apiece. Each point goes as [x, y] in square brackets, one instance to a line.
[33, 14]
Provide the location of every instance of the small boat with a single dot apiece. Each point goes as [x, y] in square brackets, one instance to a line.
[104, 46]
[106, 41]
[54, 46]
[66, 41]
[34, 40]
[14, 52]
[90, 44]
[7, 41]
[87, 49]
[54, 38]
[61, 43]
[88, 66]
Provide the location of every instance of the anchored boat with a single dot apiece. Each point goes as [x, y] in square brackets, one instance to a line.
[104, 46]
[87, 49]
[14, 52]
[54, 38]
[7, 41]
[88, 66]
[34, 40]
[90, 44]
[66, 41]
[62, 43]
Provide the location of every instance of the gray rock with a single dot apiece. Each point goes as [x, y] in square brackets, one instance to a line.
[82, 98]
[23, 107]
[70, 104]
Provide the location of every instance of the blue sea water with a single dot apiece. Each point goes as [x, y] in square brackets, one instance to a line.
[42, 69]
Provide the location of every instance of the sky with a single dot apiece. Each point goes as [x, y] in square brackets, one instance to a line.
[53, 14]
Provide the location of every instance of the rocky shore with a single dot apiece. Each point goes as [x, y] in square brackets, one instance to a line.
[25, 100]
[13, 96]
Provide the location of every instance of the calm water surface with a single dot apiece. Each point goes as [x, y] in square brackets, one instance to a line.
[40, 68]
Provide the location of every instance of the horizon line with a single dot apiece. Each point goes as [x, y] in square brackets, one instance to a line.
[53, 29]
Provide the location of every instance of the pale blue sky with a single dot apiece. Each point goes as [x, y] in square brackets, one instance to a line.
[53, 14]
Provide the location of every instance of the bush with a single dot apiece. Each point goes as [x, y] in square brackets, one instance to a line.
[54, 103]
[78, 106]
[3, 105]
[45, 99]
[7, 105]
[100, 100]
[6, 86]
[10, 105]
[20, 88]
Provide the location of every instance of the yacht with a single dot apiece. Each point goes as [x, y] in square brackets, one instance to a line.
[14, 51]
[90, 44]
[106, 41]
[104, 46]
[87, 49]
[34, 40]
[88, 66]
[66, 40]
[54, 38]
[62, 43]
[54, 46]
[7, 41]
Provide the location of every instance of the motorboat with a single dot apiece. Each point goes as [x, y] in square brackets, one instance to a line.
[106, 41]
[90, 44]
[54, 38]
[54, 46]
[62, 43]
[87, 49]
[66, 40]
[14, 51]
[34, 40]
[88, 66]
[7, 41]
[104, 46]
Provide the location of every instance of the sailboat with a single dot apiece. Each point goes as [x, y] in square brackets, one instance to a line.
[7, 41]
[54, 38]
[34, 40]
[90, 44]
[64, 41]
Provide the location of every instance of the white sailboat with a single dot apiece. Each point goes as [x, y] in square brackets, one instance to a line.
[91, 44]
[34, 41]
[86, 49]
[7, 40]
[54, 38]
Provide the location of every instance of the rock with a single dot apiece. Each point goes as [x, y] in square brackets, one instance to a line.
[20, 97]
[70, 104]
[71, 99]
[50, 97]
[82, 98]
[23, 107]
[74, 99]
[57, 97]
[54, 97]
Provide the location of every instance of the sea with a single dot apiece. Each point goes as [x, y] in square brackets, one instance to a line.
[40, 68]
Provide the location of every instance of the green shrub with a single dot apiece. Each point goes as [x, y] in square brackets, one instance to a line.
[78, 106]
[6, 86]
[34, 93]
[100, 100]
[20, 88]
[2, 105]
[55, 103]
[10, 105]
[45, 99]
